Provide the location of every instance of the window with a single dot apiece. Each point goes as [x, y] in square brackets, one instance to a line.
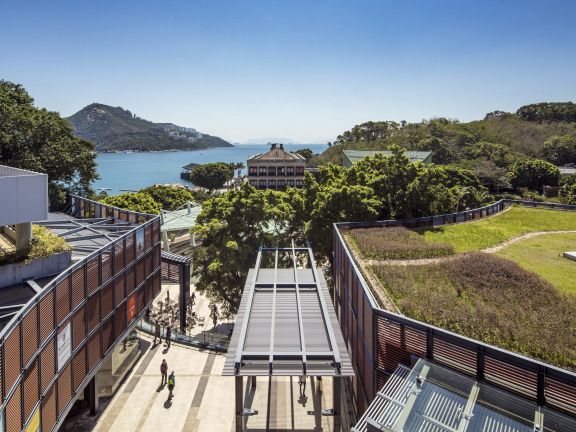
[281, 184]
[290, 171]
[262, 184]
[253, 183]
[271, 171]
[281, 171]
[272, 184]
[252, 171]
[299, 170]
[290, 183]
[262, 171]
[299, 183]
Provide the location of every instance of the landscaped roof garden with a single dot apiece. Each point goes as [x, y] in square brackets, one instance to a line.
[479, 294]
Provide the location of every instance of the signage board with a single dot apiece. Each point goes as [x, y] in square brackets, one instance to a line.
[131, 307]
[64, 345]
[140, 242]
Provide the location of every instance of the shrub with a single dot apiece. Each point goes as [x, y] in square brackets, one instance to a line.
[395, 243]
[44, 244]
[490, 299]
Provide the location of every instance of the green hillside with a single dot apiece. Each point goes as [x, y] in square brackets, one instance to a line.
[495, 142]
[114, 128]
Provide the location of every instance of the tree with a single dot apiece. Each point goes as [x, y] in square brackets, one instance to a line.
[560, 150]
[490, 175]
[442, 152]
[168, 198]
[40, 140]
[232, 227]
[239, 166]
[306, 153]
[211, 176]
[533, 174]
[136, 202]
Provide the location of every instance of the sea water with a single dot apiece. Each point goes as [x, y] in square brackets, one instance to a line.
[134, 171]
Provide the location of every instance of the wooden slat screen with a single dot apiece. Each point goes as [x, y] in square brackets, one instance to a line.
[12, 366]
[119, 289]
[46, 316]
[561, 395]
[62, 300]
[14, 411]
[455, 356]
[107, 265]
[78, 287]
[79, 367]
[93, 275]
[31, 395]
[107, 299]
[108, 334]
[48, 365]
[64, 387]
[119, 255]
[49, 409]
[94, 352]
[79, 327]
[93, 312]
[30, 331]
[513, 377]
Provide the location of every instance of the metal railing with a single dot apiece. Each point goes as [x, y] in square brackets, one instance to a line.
[206, 339]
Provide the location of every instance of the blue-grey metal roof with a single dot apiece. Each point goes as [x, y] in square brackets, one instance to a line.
[286, 324]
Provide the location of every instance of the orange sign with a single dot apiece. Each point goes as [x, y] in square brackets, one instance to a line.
[131, 307]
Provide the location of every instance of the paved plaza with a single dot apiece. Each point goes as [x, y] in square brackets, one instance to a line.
[204, 400]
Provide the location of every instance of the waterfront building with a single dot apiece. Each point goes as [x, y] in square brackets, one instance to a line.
[276, 169]
[187, 170]
[349, 157]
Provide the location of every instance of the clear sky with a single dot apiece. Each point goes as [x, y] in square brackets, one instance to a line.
[306, 70]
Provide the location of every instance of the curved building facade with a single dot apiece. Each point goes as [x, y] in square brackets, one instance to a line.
[57, 340]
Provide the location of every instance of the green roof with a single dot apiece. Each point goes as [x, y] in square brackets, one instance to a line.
[352, 156]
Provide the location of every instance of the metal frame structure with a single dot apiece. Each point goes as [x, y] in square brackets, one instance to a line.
[260, 282]
[92, 298]
[286, 312]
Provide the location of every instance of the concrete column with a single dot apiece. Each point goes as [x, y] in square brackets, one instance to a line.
[165, 241]
[336, 400]
[254, 382]
[23, 234]
[93, 395]
[239, 405]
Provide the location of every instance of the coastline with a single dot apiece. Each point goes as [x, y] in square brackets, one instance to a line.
[157, 151]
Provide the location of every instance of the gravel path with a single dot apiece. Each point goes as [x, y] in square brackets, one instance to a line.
[490, 249]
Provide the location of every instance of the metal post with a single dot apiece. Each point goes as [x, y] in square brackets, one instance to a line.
[93, 395]
[336, 401]
[239, 405]
[184, 295]
[254, 382]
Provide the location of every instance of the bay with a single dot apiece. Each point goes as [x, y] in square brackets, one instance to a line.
[134, 171]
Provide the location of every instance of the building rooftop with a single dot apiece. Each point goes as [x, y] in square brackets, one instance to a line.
[286, 325]
[277, 154]
[430, 397]
[86, 235]
[190, 166]
[180, 219]
[352, 156]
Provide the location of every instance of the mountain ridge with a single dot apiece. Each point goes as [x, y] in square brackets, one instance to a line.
[118, 129]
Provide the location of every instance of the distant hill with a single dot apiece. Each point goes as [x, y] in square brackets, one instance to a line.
[114, 128]
[270, 140]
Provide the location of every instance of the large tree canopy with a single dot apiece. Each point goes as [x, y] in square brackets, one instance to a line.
[40, 140]
[212, 176]
[533, 174]
[136, 202]
[379, 187]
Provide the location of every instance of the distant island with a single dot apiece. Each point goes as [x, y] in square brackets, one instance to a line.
[117, 129]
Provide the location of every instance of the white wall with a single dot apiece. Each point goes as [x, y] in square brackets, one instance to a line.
[23, 196]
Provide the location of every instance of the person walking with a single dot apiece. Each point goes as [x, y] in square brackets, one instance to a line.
[193, 298]
[302, 382]
[168, 335]
[164, 371]
[171, 384]
[157, 333]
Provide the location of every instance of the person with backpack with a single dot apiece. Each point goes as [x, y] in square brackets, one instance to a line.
[171, 384]
[164, 371]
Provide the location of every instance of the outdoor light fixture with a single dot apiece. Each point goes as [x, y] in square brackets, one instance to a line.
[328, 412]
[419, 380]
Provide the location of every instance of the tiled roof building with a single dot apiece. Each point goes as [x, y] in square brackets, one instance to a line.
[276, 169]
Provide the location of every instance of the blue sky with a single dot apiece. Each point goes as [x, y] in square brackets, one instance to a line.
[306, 70]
